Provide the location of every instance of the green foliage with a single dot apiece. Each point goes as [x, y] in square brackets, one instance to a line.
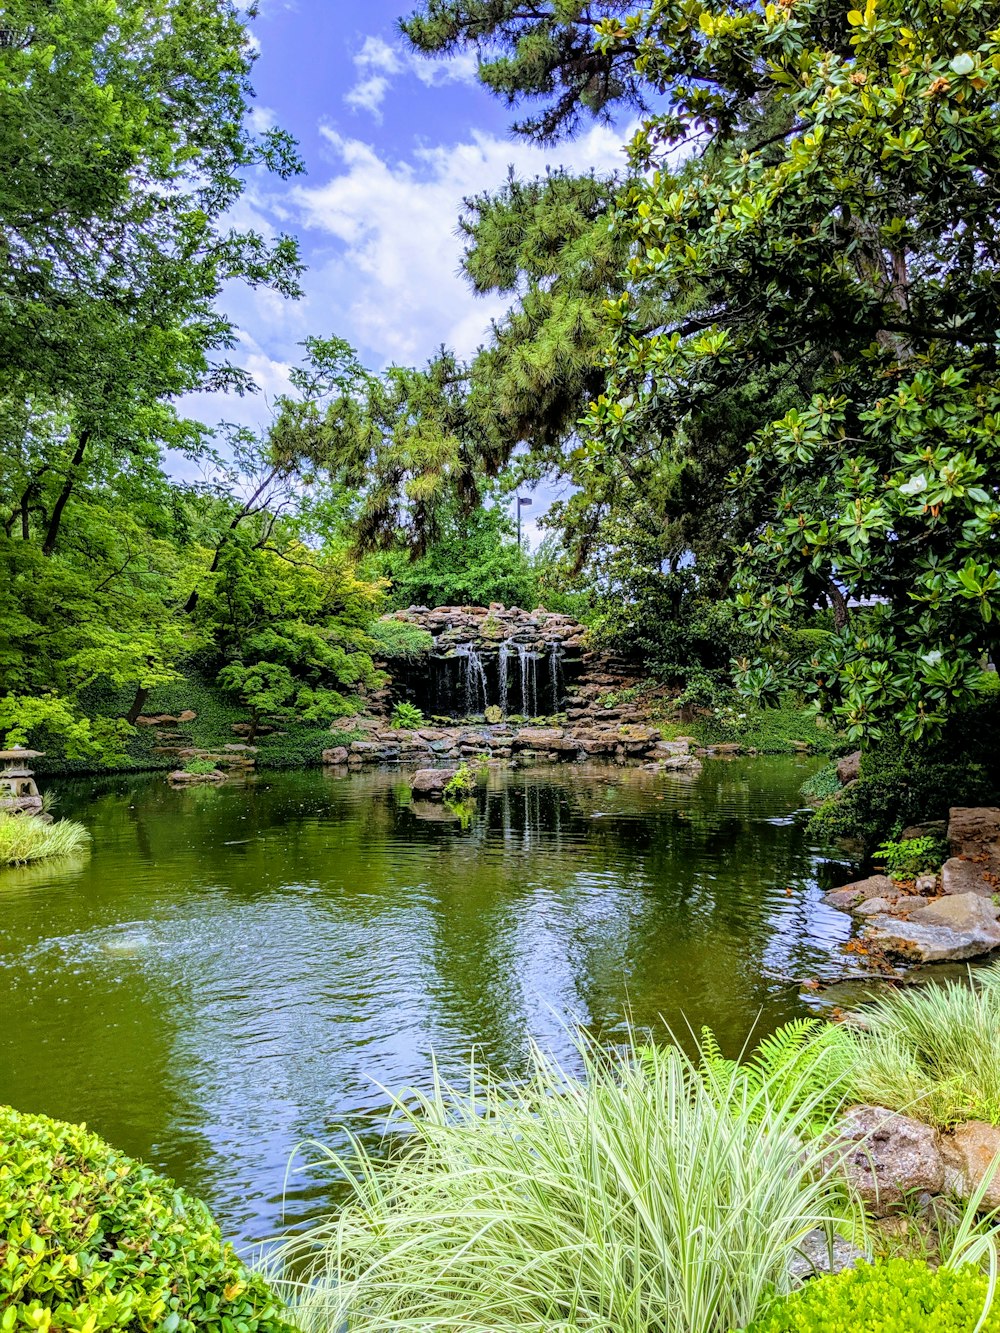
[473, 561]
[804, 1062]
[911, 857]
[461, 784]
[97, 1243]
[406, 716]
[904, 782]
[788, 728]
[201, 767]
[894, 1296]
[399, 640]
[822, 785]
[25, 838]
[932, 1051]
[827, 233]
[543, 51]
[637, 1195]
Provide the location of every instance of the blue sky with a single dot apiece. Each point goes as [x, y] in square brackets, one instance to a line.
[392, 142]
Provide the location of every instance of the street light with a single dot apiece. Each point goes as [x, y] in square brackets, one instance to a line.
[522, 500]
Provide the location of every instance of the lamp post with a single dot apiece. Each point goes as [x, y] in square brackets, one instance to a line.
[522, 500]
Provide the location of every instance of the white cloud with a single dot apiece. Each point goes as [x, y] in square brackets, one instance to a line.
[380, 237]
[378, 64]
[390, 279]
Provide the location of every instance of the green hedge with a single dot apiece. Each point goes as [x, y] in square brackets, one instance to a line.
[92, 1241]
[894, 1296]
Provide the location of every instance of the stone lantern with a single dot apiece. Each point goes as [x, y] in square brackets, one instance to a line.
[18, 792]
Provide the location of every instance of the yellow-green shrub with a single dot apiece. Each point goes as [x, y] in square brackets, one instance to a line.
[896, 1296]
[92, 1241]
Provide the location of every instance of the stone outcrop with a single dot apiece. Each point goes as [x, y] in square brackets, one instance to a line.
[974, 843]
[522, 664]
[968, 1152]
[423, 747]
[179, 778]
[428, 784]
[886, 1156]
[849, 768]
[946, 918]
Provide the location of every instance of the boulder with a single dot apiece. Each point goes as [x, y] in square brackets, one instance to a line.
[847, 898]
[188, 715]
[886, 1156]
[670, 749]
[338, 755]
[968, 1153]
[537, 738]
[947, 930]
[680, 763]
[874, 907]
[849, 768]
[429, 783]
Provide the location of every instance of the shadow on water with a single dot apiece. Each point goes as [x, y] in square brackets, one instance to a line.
[234, 970]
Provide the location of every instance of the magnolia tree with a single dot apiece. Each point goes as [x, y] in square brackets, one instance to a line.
[820, 206]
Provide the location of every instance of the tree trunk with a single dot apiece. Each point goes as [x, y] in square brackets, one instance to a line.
[48, 546]
[841, 613]
[138, 704]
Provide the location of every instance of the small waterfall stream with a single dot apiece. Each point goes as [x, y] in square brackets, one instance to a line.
[528, 663]
[555, 676]
[474, 679]
[503, 657]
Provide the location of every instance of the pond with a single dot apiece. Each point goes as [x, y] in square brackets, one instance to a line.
[235, 970]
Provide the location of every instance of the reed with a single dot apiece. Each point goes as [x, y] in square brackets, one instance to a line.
[642, 1194]
[24, 838]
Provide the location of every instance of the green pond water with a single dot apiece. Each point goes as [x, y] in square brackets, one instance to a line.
[232, 971]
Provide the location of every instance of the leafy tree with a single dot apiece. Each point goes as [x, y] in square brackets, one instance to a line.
[836, 233]
[544, 51]
[123, 145]
[287, 627]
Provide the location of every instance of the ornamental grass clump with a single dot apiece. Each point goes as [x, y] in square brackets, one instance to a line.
[642, 1195]
[92, 1241]
[26, 838]
[932, 1052]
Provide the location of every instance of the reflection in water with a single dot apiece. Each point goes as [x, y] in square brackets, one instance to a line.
[235, 970]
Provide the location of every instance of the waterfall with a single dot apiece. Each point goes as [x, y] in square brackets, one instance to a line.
[554, 674]
[502, 658]
[529, 680]
[474, 674]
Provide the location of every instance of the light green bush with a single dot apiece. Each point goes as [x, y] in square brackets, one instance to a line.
[911, 857]
[400, 640]
[642, 1195]
[93, 1242]
[25, 838]
[932, 1052]
[895, 1296]
[199, 767]
[406, 716]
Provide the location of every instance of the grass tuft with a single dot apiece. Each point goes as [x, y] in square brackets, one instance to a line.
[933, 1052]
[642, 1195]
[25, 838]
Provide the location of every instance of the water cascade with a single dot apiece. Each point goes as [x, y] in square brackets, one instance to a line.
[474, 677]
[503, 656]
[555, 676]
[529, 680]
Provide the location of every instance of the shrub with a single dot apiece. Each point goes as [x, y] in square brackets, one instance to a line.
[911, 857]
[25, 838]
[462, 783]
[911, 782]
[642, 1195]
[400, 640]
[894, 1296]
[200, 767]
[406, 716]
[94, 1241]
[822, 784]
[932, 1052]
